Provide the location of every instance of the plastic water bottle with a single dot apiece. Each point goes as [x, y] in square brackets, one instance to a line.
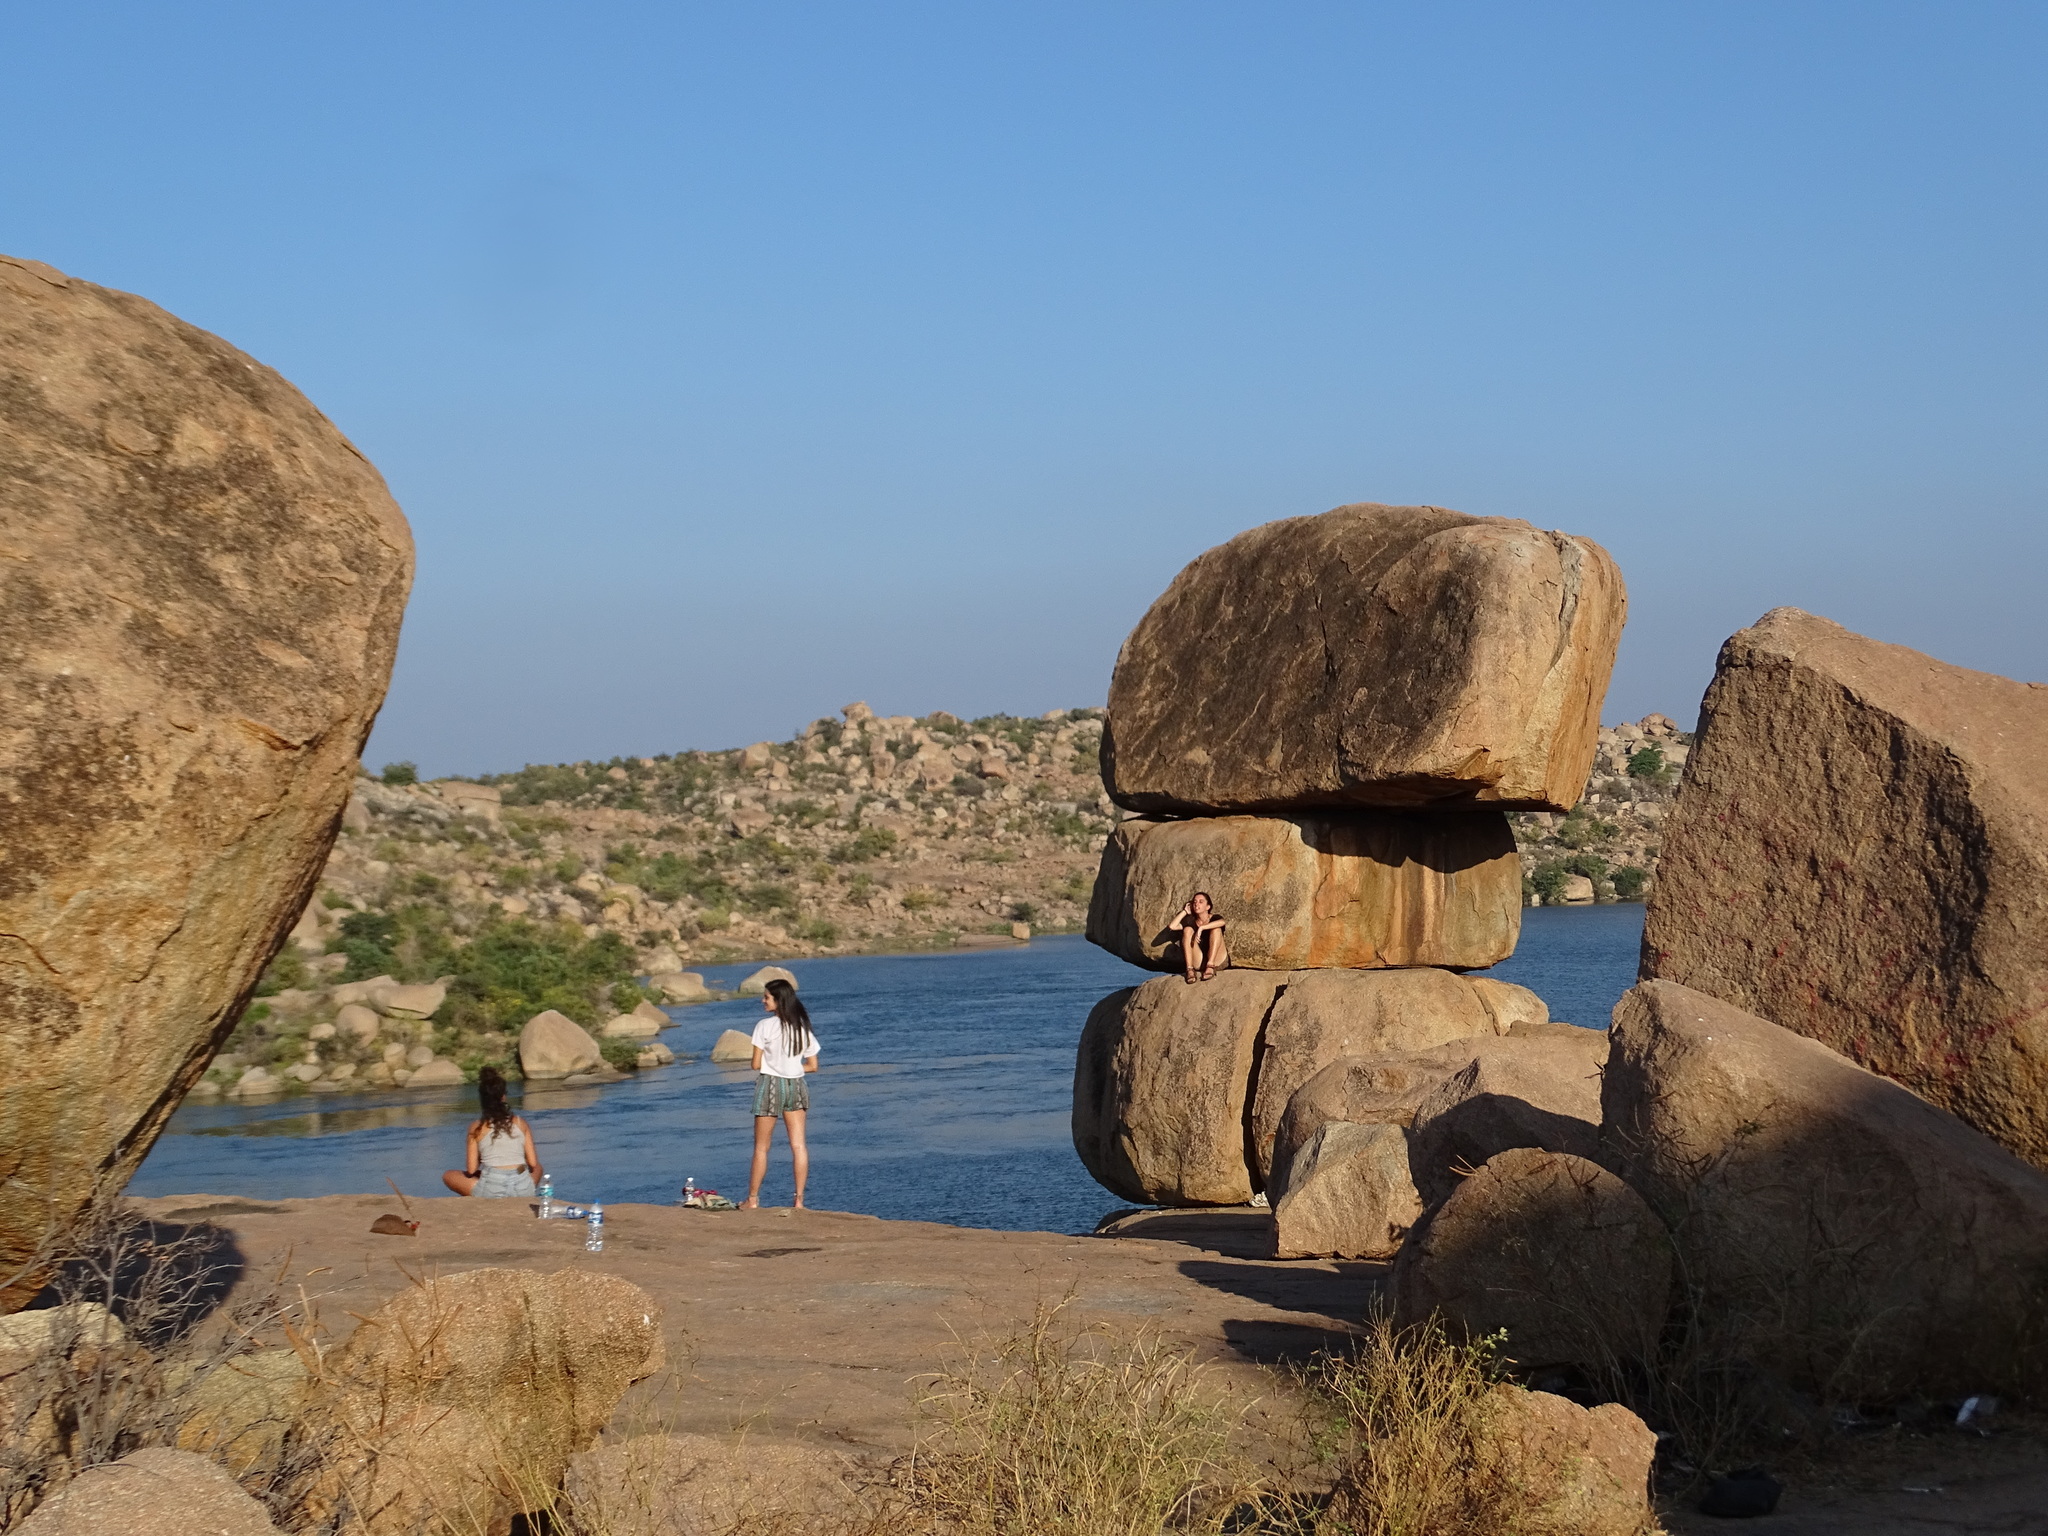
[547, 1198]
[689, 1191]
[593, 1236]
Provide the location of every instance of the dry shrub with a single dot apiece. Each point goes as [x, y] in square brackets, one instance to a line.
[133, 1332]
[1064, 1430]
[1411, 1412]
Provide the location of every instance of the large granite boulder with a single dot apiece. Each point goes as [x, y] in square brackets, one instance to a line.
[554, 1045]
[1349, 1194]
[460, 1402]
[1465, 1100]
[1344, 890]
[1159, 1088]
[1392, 656]
[200, 589]
[1834, 1228]
[1538, 1087]
[1321, 1016]
[150, 1492]
[1551, 1248]
[1861, 854]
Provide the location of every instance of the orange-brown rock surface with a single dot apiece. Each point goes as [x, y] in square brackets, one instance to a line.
[1834, 1228]
[1362, 889]
[1553, 1249]
[1391, 656]
[200, 589]
[1860, 853]
[1160, 1081]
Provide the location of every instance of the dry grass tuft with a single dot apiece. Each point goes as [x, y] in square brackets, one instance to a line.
[1412, 1438]
[1064, 1430]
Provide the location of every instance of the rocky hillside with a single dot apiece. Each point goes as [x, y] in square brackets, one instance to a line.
[555, 887]
[1606, 848]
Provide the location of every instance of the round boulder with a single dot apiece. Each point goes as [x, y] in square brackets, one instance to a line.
[757, 983]
[1554, 1249]
[199, 604]
[733, 1046]
[1159, 1088]
[437, 1073]
[680, 986]
[554, 1045]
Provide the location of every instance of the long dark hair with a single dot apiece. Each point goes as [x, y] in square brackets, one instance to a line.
[796, 1018]
[490, 1095]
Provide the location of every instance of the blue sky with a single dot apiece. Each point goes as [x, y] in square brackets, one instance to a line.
[734, 362]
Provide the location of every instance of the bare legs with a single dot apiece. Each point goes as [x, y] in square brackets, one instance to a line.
[799, 1151]
[459, 1181]
[1205, 953]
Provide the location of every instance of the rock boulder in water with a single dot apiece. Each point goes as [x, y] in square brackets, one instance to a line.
[1860, 854]
[1344, 890]
[554, 1045]
[200, 589]
[1391, 656]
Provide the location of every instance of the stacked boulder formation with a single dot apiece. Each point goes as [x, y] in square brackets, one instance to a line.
[1321, 723]
[201, 583]
[1819, 1149]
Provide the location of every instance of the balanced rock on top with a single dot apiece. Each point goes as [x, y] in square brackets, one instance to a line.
[200, 589]
[1861, 855]
[1388, 656]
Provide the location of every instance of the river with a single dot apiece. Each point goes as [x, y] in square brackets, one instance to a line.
[943, 1095]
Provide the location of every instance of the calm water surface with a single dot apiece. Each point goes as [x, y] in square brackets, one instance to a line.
[944, 1093]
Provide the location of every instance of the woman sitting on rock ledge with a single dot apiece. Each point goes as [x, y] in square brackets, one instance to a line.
[1202, 945]
[502, 1163]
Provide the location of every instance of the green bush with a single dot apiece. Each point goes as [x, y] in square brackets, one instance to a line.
[1581, 829]
[400, 773]
[620, 1055]
[370, 940]
[1629, 882]
[1067, 824]
[514, 969]
[1022, 911]
[769, 897]
[1648, 763]
[567, 868]
[919, 900]
[1548, 879]
[817, 931]
[287, 969]
[868, 843]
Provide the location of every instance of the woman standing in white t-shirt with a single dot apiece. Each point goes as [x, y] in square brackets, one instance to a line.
[784, 1050]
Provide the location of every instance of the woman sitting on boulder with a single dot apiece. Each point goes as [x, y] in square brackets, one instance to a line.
[502, 1163]
[1202, 945]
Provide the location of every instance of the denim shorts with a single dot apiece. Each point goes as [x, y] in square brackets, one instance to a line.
[778, 1095]
[504, 1184]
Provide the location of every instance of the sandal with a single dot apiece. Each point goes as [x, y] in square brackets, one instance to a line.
[1208, 973]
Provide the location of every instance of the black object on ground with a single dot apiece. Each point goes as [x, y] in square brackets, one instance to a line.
[1739, 1495]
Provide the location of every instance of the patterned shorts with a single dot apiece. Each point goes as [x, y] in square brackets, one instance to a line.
[778, 1095]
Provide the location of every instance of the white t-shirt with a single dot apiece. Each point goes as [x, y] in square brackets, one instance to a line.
[768, 1040]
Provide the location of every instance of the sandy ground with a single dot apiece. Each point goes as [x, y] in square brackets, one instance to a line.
[816, 1326]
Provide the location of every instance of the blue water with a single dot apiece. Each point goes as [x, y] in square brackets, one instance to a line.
[943, 1096]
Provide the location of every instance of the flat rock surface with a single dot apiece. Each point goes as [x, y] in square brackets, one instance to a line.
[812, 1325]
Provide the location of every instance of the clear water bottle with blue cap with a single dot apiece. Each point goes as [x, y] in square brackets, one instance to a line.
[547, 1198]
[593, 1236]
